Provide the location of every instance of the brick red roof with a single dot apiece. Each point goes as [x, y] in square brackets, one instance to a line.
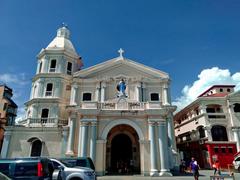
[217, 95]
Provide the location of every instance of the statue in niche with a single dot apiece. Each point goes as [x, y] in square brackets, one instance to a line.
[121, 87]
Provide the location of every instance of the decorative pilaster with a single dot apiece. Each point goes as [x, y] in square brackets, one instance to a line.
[163, 149]
[73, 94]
[208, 133]
[82, 145]
[58, 86]
[45, 64]
[6, 141]
[97, 92]
[71, 125]
[137, 90]
[40, 88]
[153, 157]
[103, 86]
[93, 141]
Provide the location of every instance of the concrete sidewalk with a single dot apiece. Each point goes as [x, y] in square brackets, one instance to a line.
[204, 175]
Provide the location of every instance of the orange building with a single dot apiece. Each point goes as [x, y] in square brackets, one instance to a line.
[8, 110]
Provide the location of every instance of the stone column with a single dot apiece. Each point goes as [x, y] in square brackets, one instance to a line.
[165, 95]
[208, 133]
[103, 86]
[6, 141]
[70, 143]
[73, 94]
[93, 141]
[236, 132]
[82, 145]
[163, 149]
[65, 131]
[153, 147]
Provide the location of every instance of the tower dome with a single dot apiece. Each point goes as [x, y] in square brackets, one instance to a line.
[62, 41]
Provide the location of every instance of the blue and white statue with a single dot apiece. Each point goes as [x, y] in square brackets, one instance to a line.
[121, 87]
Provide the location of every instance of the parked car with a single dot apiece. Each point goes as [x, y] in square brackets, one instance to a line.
[79, 161]
[236, 161]
[70, 172]
[34, 168]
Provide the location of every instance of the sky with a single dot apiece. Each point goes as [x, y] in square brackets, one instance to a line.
[196, 42]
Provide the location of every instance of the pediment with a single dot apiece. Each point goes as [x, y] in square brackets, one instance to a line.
[119, 68]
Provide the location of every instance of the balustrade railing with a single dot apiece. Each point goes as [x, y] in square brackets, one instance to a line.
[46, 122]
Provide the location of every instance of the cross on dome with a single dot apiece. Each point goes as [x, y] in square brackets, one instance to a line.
[121, 51]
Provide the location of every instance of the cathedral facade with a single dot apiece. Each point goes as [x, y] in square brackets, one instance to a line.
[117, 112]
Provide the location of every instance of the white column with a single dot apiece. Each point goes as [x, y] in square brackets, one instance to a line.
[70, 144]
[93, 141]
[137, 90]
[153, 157]
[6, 141]
[73, 95]
[103, 86]
[82, 145]
[237, 138]
[34, 111]
[165, 96]
[64, 140]
[163, 149]
[97, 92]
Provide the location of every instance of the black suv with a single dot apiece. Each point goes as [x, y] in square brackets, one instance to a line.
[34, 168]
[79, 161]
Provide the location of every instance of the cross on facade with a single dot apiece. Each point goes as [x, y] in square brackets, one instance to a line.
[121, 51]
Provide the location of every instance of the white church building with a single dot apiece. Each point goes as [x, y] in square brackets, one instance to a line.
[117, 112]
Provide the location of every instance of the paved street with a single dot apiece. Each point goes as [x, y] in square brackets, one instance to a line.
[204, 175]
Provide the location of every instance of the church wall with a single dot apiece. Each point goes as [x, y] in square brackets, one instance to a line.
[20, 147]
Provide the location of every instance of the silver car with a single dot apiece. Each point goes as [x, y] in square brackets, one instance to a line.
[65, 171]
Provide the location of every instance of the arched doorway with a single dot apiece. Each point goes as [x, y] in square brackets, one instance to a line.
[123, 152]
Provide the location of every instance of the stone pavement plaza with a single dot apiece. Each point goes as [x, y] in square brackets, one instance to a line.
[204, 175]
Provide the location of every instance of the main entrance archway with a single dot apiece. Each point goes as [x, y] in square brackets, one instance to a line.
[123, 153]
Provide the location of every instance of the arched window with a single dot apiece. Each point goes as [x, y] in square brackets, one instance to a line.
[236, 107]
[69, 68]
[49, 89]
[53, 65]
[201, 132]
[154, 97]
[36, 148]
[219, 133]
[44, 115]
[87, 96]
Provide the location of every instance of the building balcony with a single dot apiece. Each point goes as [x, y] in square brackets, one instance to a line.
[121, 105]
[43, 122]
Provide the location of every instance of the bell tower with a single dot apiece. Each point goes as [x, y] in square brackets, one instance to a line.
[52, 83]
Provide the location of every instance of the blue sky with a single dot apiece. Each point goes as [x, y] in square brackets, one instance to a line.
[196, 42]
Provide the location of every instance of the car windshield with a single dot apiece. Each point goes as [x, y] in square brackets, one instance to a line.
[237, 159]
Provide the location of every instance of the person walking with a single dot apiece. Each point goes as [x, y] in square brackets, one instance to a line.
[194, 167]
[217, 168]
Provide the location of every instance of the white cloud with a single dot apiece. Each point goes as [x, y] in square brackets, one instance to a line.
[206, 79]
[18, 79]
[20, 114]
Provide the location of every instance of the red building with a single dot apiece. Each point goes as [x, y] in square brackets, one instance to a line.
[209, 128]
